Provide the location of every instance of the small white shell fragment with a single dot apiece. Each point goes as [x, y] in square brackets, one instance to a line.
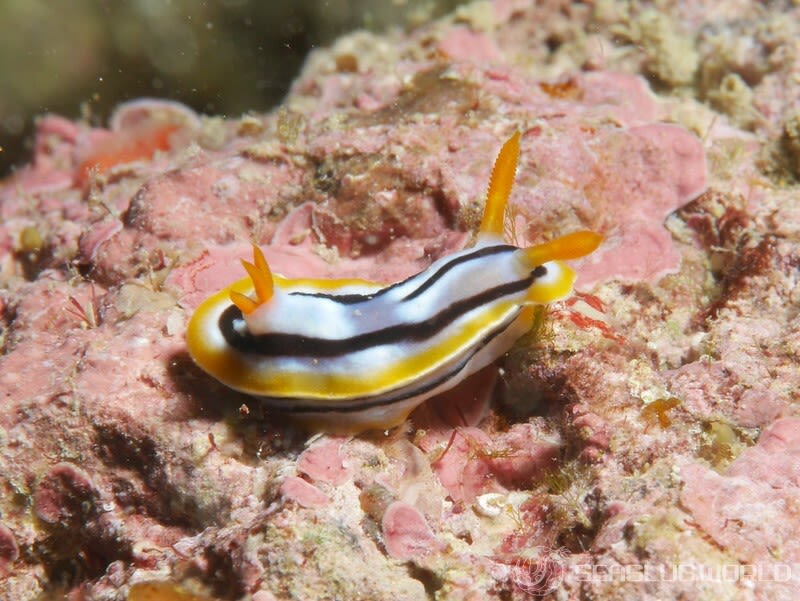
[491, 504]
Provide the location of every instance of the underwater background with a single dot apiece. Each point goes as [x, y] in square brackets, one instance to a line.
[225, 57]
[640, 440]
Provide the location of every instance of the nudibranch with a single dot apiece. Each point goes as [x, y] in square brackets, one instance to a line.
[351, 355]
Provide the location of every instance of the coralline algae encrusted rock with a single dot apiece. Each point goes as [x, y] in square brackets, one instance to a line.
[122, 462]
[590, 150]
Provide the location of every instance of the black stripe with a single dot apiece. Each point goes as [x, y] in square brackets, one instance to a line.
[483, 252]
[351, 299]
[294, 345]
[302, 405]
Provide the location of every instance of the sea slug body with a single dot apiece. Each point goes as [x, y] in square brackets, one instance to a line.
[351, 355]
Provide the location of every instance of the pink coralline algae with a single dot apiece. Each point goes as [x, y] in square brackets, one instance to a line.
[649, 423]
[744, 509]
[303, 493]
[406, 534]
[323, 462]
[9, 551]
